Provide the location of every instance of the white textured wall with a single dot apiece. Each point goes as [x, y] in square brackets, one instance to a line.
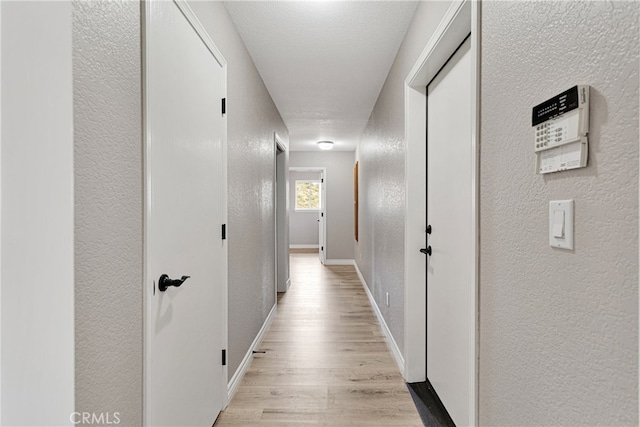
[303, 226]
[108, 208]
[251, 119]
[37, 214]
[380, 249]
[339, 193]
[559, 329]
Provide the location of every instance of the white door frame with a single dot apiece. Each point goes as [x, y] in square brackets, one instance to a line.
[461, 18]
[202, 32]
[323, 200]
[278, 144]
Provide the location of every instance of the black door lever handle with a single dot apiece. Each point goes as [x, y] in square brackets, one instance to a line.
[164, 282]
[426, 251]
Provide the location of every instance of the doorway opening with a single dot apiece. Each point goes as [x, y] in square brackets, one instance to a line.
[308, 218]
[281, 217]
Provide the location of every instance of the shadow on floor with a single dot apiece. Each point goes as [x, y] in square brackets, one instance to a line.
[430, 408]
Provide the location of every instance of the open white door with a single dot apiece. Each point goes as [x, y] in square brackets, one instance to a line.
[184, 212]
[450, 264]
[322, 245]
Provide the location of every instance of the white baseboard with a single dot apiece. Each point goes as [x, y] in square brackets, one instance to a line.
[339, 262]
[304, 246]
[391, 342]
[232, 387]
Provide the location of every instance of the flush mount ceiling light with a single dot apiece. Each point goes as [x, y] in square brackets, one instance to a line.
[325, 145]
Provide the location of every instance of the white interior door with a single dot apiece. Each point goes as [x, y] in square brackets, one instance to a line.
[185, 210]
[449, 213]
[322, 221]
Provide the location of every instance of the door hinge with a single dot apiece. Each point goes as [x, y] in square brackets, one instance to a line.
[322, 214]
[224, 231]
[322, 181]
[224, 357]
[322, 248]
[224, 106]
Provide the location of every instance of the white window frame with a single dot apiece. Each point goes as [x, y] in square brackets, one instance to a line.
[295, 205]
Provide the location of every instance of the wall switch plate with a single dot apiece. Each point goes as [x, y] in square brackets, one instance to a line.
[387, 299]
[561, 224]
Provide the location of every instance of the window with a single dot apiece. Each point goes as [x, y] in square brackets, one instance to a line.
[308, 195]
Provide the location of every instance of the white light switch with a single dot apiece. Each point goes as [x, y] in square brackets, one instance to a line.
[558, 223]
[561, 224]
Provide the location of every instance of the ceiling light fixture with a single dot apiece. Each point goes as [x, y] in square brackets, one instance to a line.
[325, 145]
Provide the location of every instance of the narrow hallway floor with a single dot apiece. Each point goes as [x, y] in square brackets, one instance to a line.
[326, 361]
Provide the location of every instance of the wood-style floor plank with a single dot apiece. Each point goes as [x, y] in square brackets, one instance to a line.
[326, 361]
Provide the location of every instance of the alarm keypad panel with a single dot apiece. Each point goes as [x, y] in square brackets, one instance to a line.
[559, 121]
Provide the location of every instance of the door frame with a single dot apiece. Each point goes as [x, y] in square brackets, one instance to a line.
[278, 144]
[147, 280]
[323, 201]
[461, 18]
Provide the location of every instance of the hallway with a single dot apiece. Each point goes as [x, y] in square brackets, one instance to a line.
[326, 360]
[144, 143]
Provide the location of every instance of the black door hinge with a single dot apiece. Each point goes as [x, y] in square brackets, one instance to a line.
[224, 231]
[322, 214]
[322, 180]
[224, 106]
[224, 357]
[322, 248]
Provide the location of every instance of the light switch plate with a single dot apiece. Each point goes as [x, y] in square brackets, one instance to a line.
[561, 224]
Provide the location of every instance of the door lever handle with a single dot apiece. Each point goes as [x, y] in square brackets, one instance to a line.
[426, 251]
[164, 282]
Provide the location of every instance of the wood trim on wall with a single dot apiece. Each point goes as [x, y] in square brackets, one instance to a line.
[355, 201]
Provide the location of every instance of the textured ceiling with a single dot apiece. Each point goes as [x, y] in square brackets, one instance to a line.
[324, 63]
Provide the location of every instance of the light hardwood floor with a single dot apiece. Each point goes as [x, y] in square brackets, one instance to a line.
[326, 361]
